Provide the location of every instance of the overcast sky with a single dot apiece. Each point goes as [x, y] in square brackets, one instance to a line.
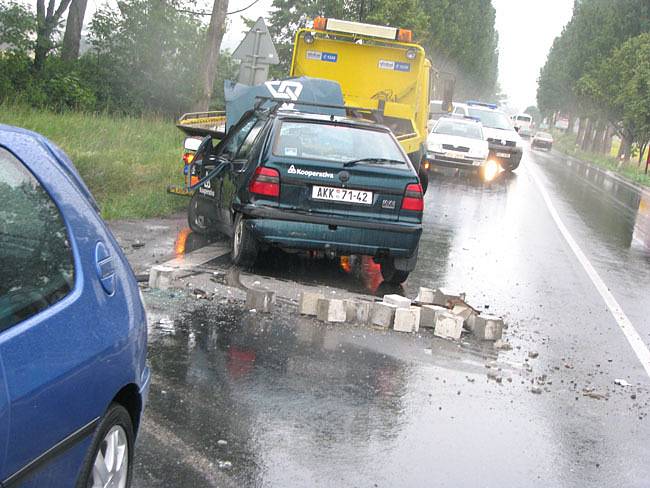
[526, 31]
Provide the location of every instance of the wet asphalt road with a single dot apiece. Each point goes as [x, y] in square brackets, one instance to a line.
[240, 399]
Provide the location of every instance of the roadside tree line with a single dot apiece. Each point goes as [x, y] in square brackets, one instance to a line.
[164, 56]
[598, 74]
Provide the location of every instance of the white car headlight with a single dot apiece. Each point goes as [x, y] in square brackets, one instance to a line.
[435, 147]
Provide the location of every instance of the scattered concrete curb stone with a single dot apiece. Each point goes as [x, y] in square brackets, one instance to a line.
[443, 297]
[308, 304]
[357, 311]
[260, 299]
[487, 327]
[448, 325]
[428, 315]
[397, 300]
[331, 310]
[382, 314]
[407, 319]
[426, 295]
[161, 277]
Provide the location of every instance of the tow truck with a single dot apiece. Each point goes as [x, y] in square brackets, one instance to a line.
[383, 74]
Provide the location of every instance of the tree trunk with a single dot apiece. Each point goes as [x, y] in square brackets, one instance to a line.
[208, 69]
[73, 26]
[581, 131]
[586, 138]
[597, 142]
[607, 142]
[46, 21]
[625, 150]
[572, 122]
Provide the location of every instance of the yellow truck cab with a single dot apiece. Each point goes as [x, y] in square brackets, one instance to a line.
[380, 70]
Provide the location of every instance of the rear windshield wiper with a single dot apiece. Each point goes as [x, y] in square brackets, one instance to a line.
[372, 161]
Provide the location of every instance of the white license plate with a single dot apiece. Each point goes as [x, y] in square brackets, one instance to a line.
[503, 155]
[456, 154]
[341, 195]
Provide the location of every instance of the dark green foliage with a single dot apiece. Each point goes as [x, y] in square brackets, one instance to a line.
[577, 78]
[144, 58]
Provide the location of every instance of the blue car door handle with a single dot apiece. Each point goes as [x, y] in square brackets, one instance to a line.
[105, 268]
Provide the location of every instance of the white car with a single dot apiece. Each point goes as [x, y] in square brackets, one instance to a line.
[506, 146]
[458, 143]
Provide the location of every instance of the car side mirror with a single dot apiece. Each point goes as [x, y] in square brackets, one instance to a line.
[516, 129]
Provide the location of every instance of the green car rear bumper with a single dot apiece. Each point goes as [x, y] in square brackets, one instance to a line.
[304, 231]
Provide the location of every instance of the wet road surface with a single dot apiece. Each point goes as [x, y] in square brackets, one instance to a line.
[240, 399]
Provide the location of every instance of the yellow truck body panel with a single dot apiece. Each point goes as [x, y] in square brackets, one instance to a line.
[374, 74]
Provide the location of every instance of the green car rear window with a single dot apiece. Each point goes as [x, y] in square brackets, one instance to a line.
[330, 142]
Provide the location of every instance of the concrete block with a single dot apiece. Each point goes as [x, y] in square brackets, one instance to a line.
[330, 310]
[161, 277]
[448, 325]
[382, 314]
[397, 300]
[426, 295]
[428, 315]
[260, 299]
[407, 319]
[487, 327]
[445, 297]
[309, 302]
[357, 311]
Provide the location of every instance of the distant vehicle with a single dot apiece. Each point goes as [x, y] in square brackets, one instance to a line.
[381, 71]
[73, 331]
[436, 109]
[542, 140]
[505, 144]
[300, 181]
[457, 143]
[523, 124]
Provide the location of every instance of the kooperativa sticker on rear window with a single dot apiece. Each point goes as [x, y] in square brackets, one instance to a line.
[309, 173]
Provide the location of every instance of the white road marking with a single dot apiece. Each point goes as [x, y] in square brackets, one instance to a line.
[638, 346]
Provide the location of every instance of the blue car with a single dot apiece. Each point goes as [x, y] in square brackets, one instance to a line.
[73, 335]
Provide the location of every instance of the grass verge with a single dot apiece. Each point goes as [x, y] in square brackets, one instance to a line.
[566, 143]
[127, 162]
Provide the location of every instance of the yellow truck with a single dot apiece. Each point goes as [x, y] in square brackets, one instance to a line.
[380, 70]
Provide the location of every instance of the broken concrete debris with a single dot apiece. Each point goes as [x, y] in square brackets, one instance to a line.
[260, 299]
[407, 319]
[309, 302]
[448, 325]
[330, 310]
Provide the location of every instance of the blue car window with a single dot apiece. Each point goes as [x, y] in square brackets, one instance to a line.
[247, 145]
[36, 262]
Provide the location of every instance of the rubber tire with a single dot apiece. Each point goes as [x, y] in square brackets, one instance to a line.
[115, 415]
[424, 179]
[392, 275]
[192, 216]
[248, 247]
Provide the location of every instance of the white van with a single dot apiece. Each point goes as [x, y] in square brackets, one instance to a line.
[523, 124]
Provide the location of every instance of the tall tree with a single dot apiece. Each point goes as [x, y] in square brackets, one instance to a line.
[211, 51]
[47, 20]
[73, 26]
